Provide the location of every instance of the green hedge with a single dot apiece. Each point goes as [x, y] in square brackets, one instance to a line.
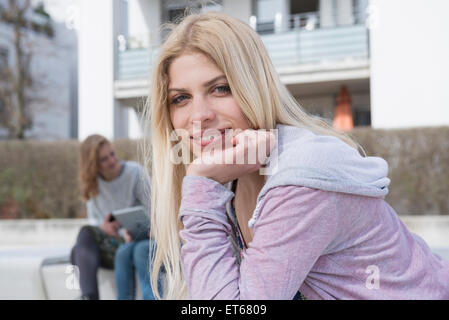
[40, 179]
[418, 162]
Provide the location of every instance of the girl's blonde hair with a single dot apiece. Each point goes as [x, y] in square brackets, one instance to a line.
[89, 152]
[238, 51]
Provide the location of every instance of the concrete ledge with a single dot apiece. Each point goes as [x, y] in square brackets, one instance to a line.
[59, 232]
[433, 229]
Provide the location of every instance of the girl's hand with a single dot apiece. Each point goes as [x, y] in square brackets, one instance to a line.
[127, 236]
[110, 226]
[249, 151]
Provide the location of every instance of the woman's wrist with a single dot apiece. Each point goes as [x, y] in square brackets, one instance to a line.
[191, 172]
[196, 172]
[204, 194]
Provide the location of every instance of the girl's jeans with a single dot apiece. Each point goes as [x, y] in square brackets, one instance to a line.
[130, 258]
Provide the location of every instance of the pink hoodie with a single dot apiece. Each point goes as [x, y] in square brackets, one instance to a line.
[309, 234]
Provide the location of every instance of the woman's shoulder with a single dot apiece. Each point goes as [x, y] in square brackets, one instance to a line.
[304, 145]
[136, 173]
[304, 158]
[133, 166]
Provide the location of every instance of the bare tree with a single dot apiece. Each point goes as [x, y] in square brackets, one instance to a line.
[16, 80]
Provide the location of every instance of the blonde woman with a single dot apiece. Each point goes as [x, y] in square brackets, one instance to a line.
[318, 224]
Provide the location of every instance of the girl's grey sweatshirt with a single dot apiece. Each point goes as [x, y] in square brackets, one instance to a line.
[131, 188]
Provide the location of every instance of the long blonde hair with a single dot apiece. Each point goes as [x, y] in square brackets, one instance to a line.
[238, 51]
[89, 171]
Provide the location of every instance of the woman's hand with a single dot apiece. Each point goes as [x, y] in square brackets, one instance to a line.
[249, 151]
[110, 227]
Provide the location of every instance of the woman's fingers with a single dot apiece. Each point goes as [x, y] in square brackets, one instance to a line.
[248, 147]
[253, 147]
[247, 152]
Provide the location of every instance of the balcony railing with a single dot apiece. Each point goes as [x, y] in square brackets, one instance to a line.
[136, 63]
[304, 41]
[329, 44]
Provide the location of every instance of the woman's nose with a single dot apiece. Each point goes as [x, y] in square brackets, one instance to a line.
[201, 111]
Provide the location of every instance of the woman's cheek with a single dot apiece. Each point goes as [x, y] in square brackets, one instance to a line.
[179, 118]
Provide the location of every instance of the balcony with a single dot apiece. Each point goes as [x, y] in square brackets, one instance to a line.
[303, 51]
[304, 47]
[135, 63]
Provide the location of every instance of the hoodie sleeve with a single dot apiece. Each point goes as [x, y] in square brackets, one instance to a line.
[295, 226]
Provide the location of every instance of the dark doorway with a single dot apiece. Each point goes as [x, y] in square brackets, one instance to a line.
[303, 6]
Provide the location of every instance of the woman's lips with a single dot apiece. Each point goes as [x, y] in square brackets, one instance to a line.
[206, 139]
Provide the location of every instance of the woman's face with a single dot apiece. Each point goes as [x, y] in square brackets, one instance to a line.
[199, 94]
[108, 163]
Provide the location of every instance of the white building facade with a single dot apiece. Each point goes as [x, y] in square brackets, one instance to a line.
[317, 46]
[409, 63]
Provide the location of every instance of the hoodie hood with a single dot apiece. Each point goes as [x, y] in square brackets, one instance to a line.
[306, 159]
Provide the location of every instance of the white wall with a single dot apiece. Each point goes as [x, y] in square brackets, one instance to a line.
[144, 20]
[240, 9]
[409, 63]
[344, 12]
[134, 125]
[96, 66]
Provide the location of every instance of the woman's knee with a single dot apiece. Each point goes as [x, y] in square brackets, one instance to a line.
[87, 257]
[141, 253]
[124, 254]
[85, 237]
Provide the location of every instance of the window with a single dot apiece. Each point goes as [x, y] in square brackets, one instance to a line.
[173, 10]
[175, 14]
[176, 9]
[362, 118]
[303, 6]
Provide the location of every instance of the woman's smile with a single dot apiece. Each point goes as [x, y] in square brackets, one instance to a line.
[209, 136]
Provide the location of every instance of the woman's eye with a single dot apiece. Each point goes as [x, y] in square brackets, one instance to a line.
[178, 99]
[224, 89]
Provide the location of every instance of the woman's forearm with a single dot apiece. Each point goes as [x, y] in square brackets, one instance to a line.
[272, 267]
[209, 264]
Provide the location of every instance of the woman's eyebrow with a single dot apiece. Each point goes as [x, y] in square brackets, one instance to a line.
[206, 84]
[210, 82]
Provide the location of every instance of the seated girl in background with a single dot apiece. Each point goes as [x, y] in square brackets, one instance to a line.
[109, 184]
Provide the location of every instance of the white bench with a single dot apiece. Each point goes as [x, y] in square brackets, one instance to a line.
[34, 261]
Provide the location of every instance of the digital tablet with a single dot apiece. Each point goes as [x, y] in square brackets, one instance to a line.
[135, 220]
